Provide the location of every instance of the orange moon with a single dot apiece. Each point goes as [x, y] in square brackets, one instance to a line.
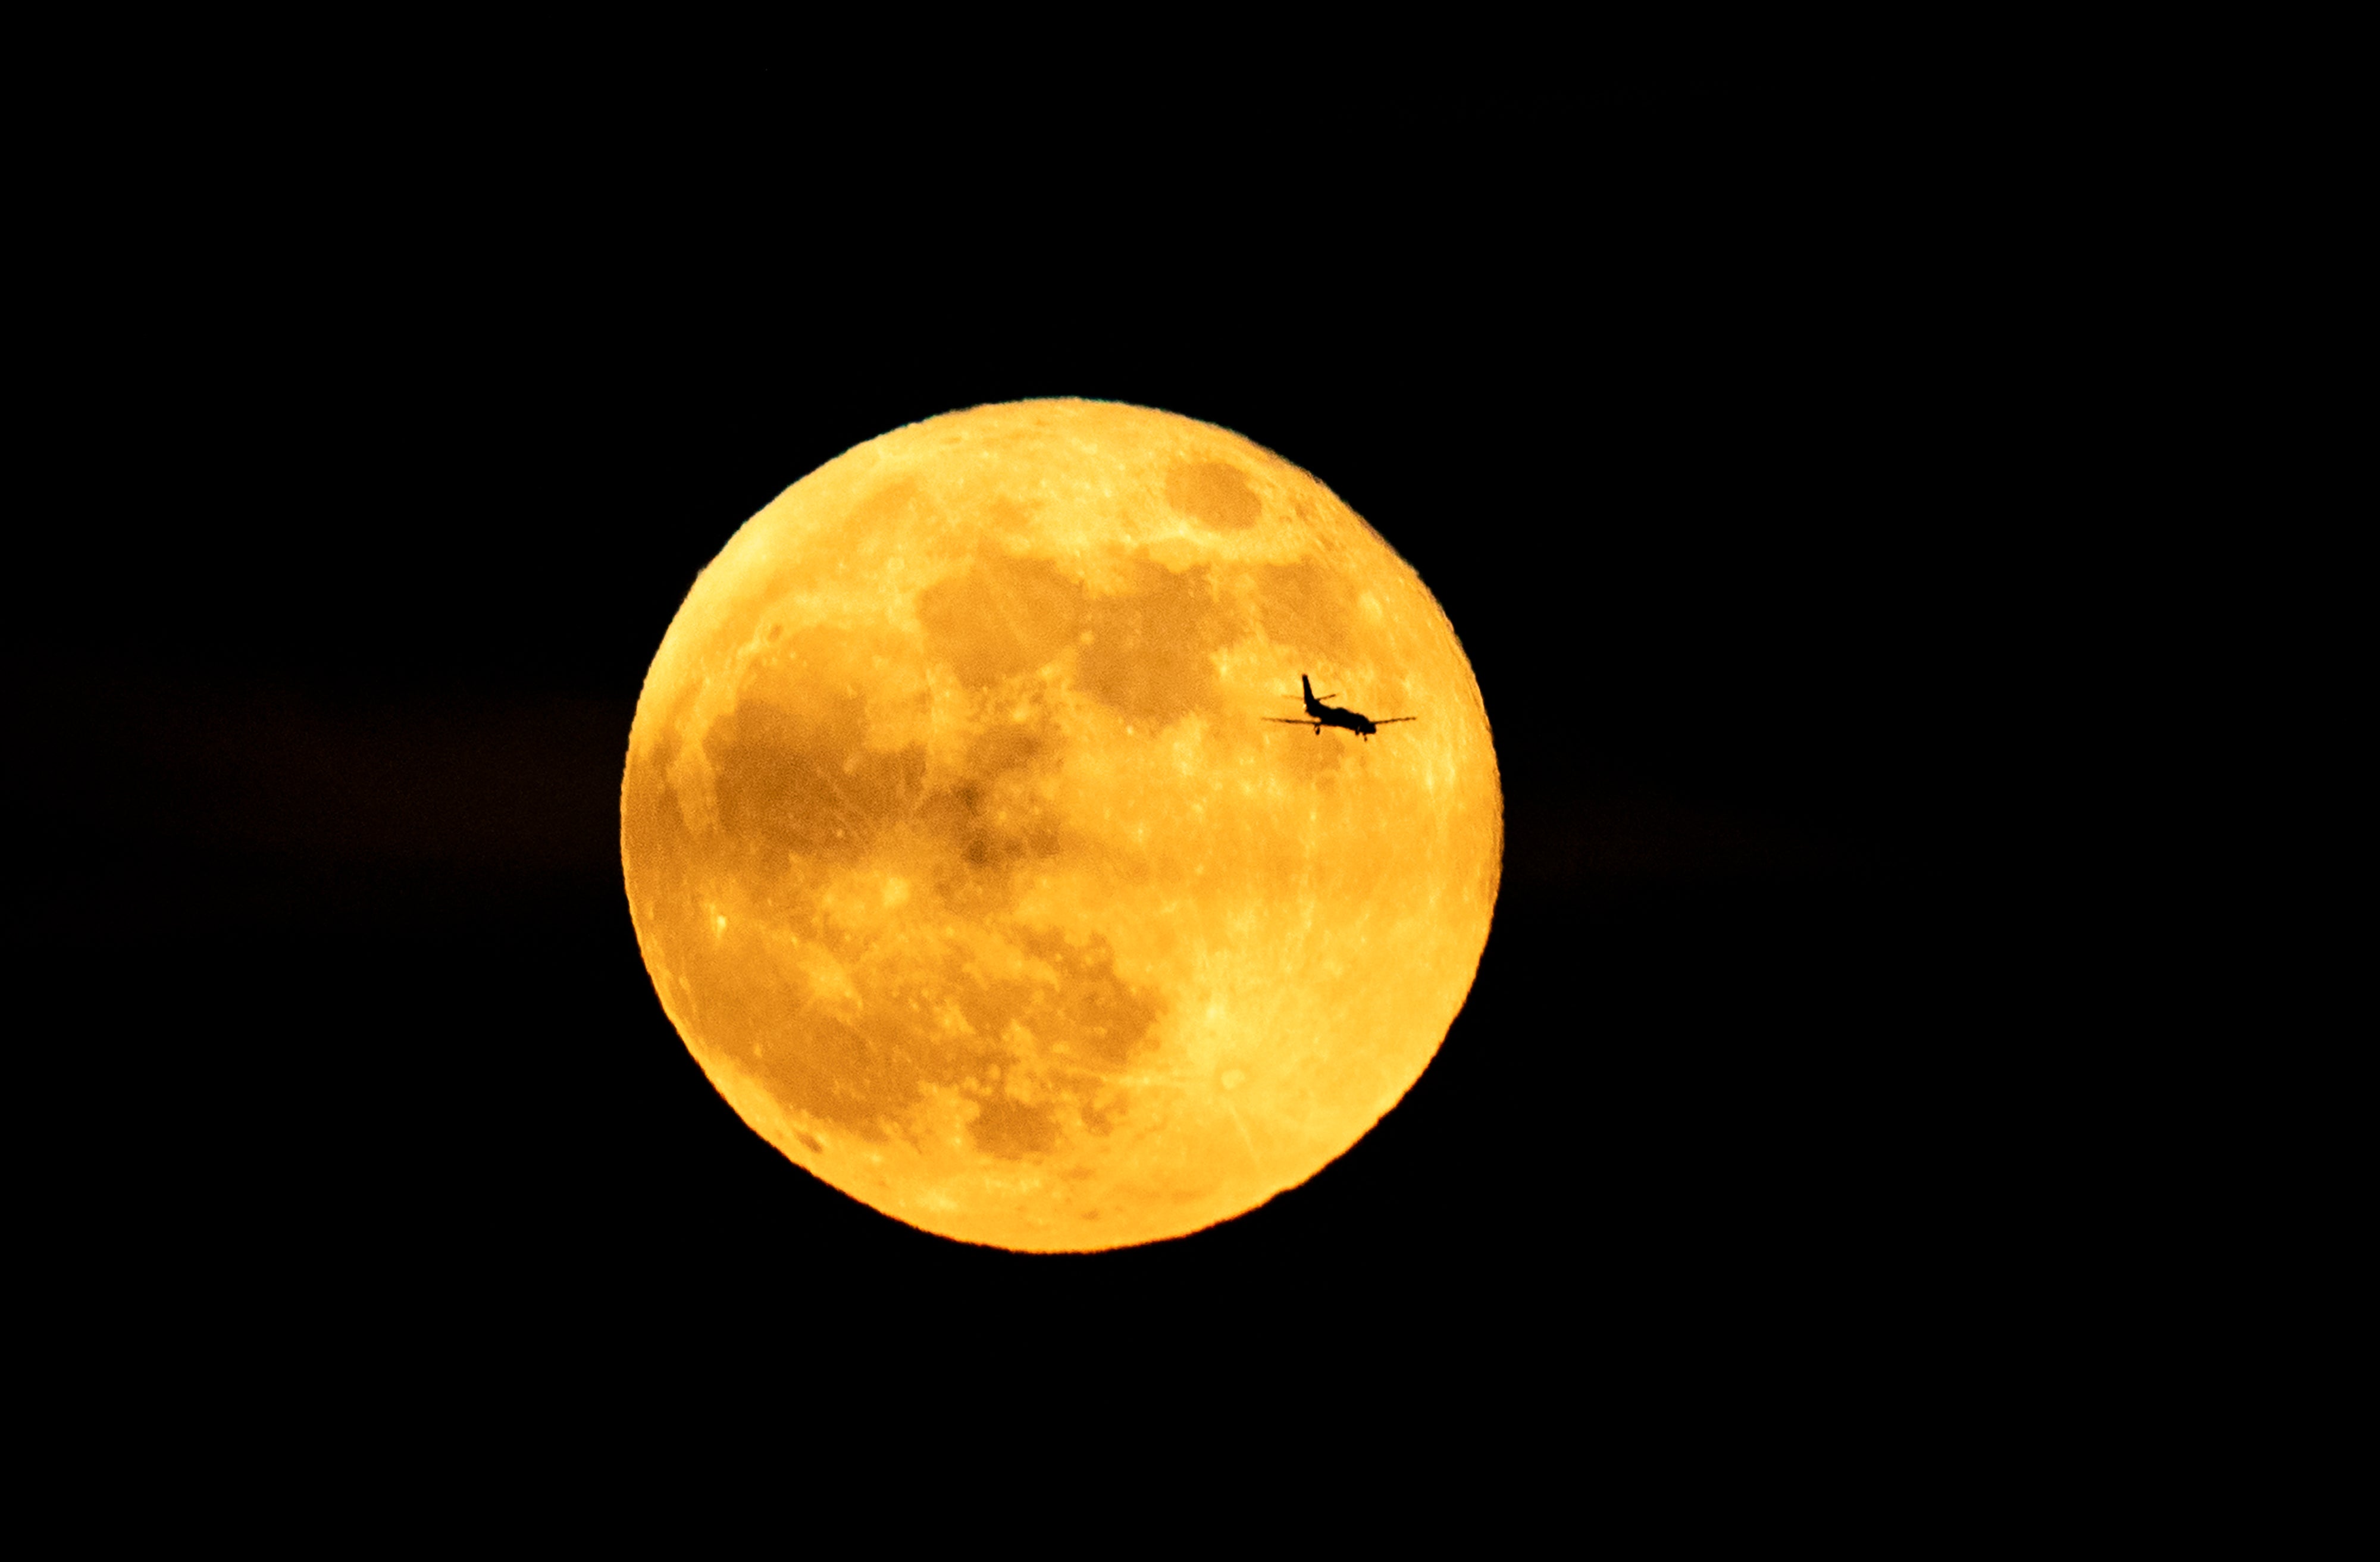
[968, 863]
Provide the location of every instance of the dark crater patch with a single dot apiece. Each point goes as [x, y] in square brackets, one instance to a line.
[1310, 604]
[792, 770]
[991, 819]
[1012, 1131]
[1151, 654]
[1214, 492]
[1147, 651]
[1000, 618]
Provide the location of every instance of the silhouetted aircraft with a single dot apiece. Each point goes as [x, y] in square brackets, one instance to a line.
[1319, 715]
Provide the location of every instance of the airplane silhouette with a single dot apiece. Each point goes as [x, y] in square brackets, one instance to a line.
[1319, 715]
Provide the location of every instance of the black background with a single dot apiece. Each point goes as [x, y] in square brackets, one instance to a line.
[390, 489]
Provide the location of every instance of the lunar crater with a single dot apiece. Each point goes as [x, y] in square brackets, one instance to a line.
[1142, 645]
[1214, 492]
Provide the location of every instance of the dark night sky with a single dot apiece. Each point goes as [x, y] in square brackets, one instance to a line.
[389, 500]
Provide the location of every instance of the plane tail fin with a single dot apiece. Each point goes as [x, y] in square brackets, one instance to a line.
[1307, 684]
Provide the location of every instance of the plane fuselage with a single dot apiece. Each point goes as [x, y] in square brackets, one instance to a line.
[1332, 716]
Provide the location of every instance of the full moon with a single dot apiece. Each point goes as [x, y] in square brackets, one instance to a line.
[972, 858]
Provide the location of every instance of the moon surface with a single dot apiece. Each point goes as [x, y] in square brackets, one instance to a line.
[967, 864]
